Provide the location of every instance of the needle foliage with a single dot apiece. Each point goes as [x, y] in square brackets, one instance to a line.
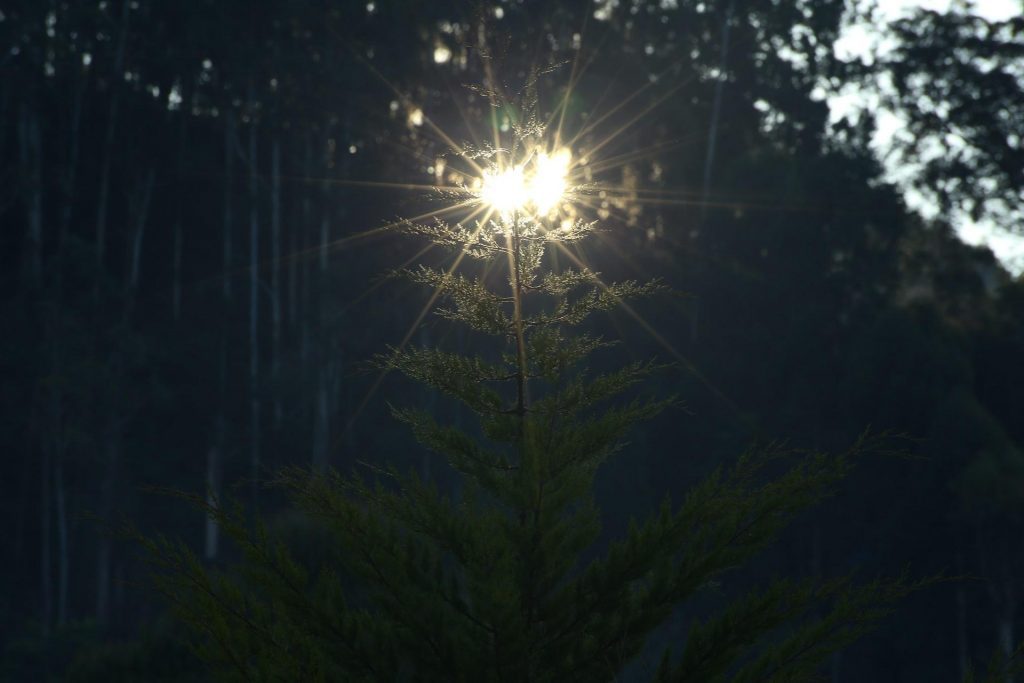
[487, 581]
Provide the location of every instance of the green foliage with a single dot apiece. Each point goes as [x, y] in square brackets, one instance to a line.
[956, 78]
[487, 583]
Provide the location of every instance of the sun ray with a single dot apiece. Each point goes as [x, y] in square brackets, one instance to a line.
[636, 118]
[514, 182]
[611, 162]
[419, 318]
[426, 119]
[624, 102]
[657, 336]
[456, 100]
[380, 184]
[574, 78]
[382, 280]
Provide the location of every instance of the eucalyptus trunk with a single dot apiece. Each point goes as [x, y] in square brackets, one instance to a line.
[226, 230]
[30, 148]
[45, 550]
[107, 151]
[63, 543]
[275, 277]
[138, 235]
[323, 404]
[112, 438]
[178, 230]
[254, 310]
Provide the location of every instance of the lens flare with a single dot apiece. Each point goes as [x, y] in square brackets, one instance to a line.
[540, 184]
[547, 184]
[506, 189]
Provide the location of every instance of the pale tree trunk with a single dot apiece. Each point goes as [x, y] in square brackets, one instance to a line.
[45, 532]
[1006, 614]
[63, 563]
[30, 147]
[321, 422]
[213, 459]
[178, 237]
[293, 268]
[275, 278]
[103, 195]
[306, 280]
[116, 418]
[327, 385]
[71, 174]
[254, 284]
[709, 157]
[111, 461]
[56, 447]
[5, 101]
[1002, 592]
[138, 236]
[216, 453]
[229, 144]
[963, 645]
[962, 650]
[58, 428]
[324, 369]
[716, 109]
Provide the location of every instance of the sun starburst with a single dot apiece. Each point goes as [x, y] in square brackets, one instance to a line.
[538, 185]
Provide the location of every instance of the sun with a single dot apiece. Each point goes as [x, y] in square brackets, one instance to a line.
[505, 189]
[539, 184]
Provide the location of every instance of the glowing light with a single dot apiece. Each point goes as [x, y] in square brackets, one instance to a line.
[416, 117]
[442, 54]
[548, 182]
[505, 190]
[540, 185]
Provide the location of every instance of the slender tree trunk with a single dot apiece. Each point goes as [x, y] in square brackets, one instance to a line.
[325, 365]
[138, 236]
[113, 433]
[107, 154]
[64, 556]
[1007, 612]
[254, 283]
[716, 108]
[962, 650]
[962, 643]
[58, 428]
[178, 237]
[104, 554]
[515, 248]
[5, 101]
[321, 422]
[31, 156]
[275, 279]
[213, 460]
[216, 453]
[45, 533]
[229, 144]
[305, 341]
[325, 232]
[71, 174]
[293, 270]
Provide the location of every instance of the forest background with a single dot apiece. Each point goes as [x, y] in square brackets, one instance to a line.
[195, 203]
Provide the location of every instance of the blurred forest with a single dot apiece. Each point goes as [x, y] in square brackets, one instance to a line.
[194, 198]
